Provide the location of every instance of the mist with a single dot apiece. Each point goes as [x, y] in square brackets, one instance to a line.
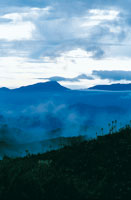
[30, 121]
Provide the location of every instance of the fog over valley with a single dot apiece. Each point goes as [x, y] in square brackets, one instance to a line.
[33, 114]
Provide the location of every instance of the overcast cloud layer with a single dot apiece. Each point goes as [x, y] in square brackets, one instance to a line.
[41, 39]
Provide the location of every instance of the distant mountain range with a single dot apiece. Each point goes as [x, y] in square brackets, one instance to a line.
[113, 87]
[54, 86]
[34, 113]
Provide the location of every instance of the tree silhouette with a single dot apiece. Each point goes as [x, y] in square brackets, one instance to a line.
[112, 127]
[102, 131]
[109, 125]
[130, 123]
[115, 125]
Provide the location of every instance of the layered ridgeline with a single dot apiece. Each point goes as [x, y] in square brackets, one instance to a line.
[32, 115]
[113, 87]
[52, 86]
[95, 169]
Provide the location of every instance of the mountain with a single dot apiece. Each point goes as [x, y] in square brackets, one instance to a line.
[51, 86]
[113, 87]
[40, 108]
[4, 89]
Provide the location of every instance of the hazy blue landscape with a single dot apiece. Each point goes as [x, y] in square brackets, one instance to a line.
[33, 114]
[65, 100]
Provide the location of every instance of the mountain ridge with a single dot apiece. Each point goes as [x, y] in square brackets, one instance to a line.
[50, 86]
[112, 87]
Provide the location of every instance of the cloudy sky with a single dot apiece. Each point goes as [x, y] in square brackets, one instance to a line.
[79, 43]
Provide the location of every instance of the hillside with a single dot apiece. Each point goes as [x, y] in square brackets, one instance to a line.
[112, 87]
[96, 169]
[50, 86]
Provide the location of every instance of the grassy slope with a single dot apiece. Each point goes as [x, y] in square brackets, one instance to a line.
[97, 169]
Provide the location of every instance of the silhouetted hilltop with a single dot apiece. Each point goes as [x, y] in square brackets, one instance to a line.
[113, 87]
[96, 169]
[4, 89]
[51, 86]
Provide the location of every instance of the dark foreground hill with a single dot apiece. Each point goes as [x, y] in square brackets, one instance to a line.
[96, 169]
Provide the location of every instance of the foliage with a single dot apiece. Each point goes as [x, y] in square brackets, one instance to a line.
[95, 169]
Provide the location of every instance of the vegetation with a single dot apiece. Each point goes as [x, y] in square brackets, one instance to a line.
[95, 169]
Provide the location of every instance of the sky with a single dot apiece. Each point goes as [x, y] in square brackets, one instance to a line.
[79, 43]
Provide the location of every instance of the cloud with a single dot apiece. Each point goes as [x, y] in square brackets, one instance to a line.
[15, 31]
[26, 13]
[14, 23]
[52, 30]
[115, 75]
[75, 79]
[44, 31]
[64, 33]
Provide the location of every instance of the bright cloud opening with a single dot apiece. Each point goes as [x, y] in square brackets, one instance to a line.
[18, 31]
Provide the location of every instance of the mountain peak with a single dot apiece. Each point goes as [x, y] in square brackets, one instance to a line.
[50, 86]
